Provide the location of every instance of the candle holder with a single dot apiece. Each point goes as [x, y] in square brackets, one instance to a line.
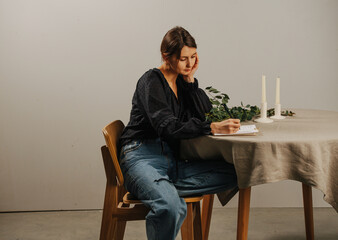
[264, 118]
[278, 112]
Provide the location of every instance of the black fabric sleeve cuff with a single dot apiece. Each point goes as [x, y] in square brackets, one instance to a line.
[189, 86]
[206, 130]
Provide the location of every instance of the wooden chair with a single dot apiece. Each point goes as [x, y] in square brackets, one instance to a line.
[120, 207]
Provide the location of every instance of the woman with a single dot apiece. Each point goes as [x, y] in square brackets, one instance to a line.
[168, 106]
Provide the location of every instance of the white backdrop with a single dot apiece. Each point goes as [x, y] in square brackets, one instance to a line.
[69, 67]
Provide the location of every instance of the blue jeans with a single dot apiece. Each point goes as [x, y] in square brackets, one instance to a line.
[149, 170]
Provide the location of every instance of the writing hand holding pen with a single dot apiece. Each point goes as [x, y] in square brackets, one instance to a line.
[227, 126]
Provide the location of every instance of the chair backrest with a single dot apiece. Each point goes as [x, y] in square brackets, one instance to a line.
[112, 133]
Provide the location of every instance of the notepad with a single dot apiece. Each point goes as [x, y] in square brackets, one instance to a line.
[243, 130]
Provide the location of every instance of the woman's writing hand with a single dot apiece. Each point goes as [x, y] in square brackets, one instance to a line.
[226, 127]
[190, 77]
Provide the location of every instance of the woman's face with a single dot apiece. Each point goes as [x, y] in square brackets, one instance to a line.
[185, 63]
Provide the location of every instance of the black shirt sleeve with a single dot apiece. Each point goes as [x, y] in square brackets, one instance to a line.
[152, 97]
[195, 98]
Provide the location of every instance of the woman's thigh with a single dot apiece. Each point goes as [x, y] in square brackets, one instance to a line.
[145, 170]
[205, 177]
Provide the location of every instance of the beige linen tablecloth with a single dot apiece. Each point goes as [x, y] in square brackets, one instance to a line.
[302, 148]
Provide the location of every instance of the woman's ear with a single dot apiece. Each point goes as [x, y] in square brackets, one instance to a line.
[165, 58]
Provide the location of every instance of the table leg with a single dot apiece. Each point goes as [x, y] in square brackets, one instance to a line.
[243, 213]
[308, 211]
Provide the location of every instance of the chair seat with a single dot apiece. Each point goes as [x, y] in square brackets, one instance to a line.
[129, 198]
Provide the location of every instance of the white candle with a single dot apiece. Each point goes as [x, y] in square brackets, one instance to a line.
[278, 90]
[263, 90]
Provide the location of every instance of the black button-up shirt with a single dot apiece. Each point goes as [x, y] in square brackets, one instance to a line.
[156, 112]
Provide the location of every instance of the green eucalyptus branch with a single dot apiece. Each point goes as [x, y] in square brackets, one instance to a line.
[244, 113]
[271, 112]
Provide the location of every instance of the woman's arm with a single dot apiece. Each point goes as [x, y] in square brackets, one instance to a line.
[153, 103]
[196, 99]
[199, 104]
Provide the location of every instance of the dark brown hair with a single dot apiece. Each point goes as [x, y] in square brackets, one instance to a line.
[174, 40]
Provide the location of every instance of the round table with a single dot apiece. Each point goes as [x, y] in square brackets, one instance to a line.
[303, 147]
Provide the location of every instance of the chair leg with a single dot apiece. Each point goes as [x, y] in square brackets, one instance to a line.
[191, 228]
[119, 230]
[108, 223]
[243, 213]
[308, 211]
[197, 222]
[207, 204]
[108, 227]
[187, 226]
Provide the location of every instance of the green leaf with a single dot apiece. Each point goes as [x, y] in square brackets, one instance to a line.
[225, 95]
[247, 113]
[224, 101]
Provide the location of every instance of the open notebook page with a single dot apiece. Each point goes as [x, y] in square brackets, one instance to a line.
[243, 130]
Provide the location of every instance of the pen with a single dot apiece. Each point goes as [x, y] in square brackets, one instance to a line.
[227, 110]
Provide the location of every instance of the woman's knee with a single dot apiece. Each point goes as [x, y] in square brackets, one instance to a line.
[177, 207]
[159, 193]
[171, 208]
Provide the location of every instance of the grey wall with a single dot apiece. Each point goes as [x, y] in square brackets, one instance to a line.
[68, 68]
